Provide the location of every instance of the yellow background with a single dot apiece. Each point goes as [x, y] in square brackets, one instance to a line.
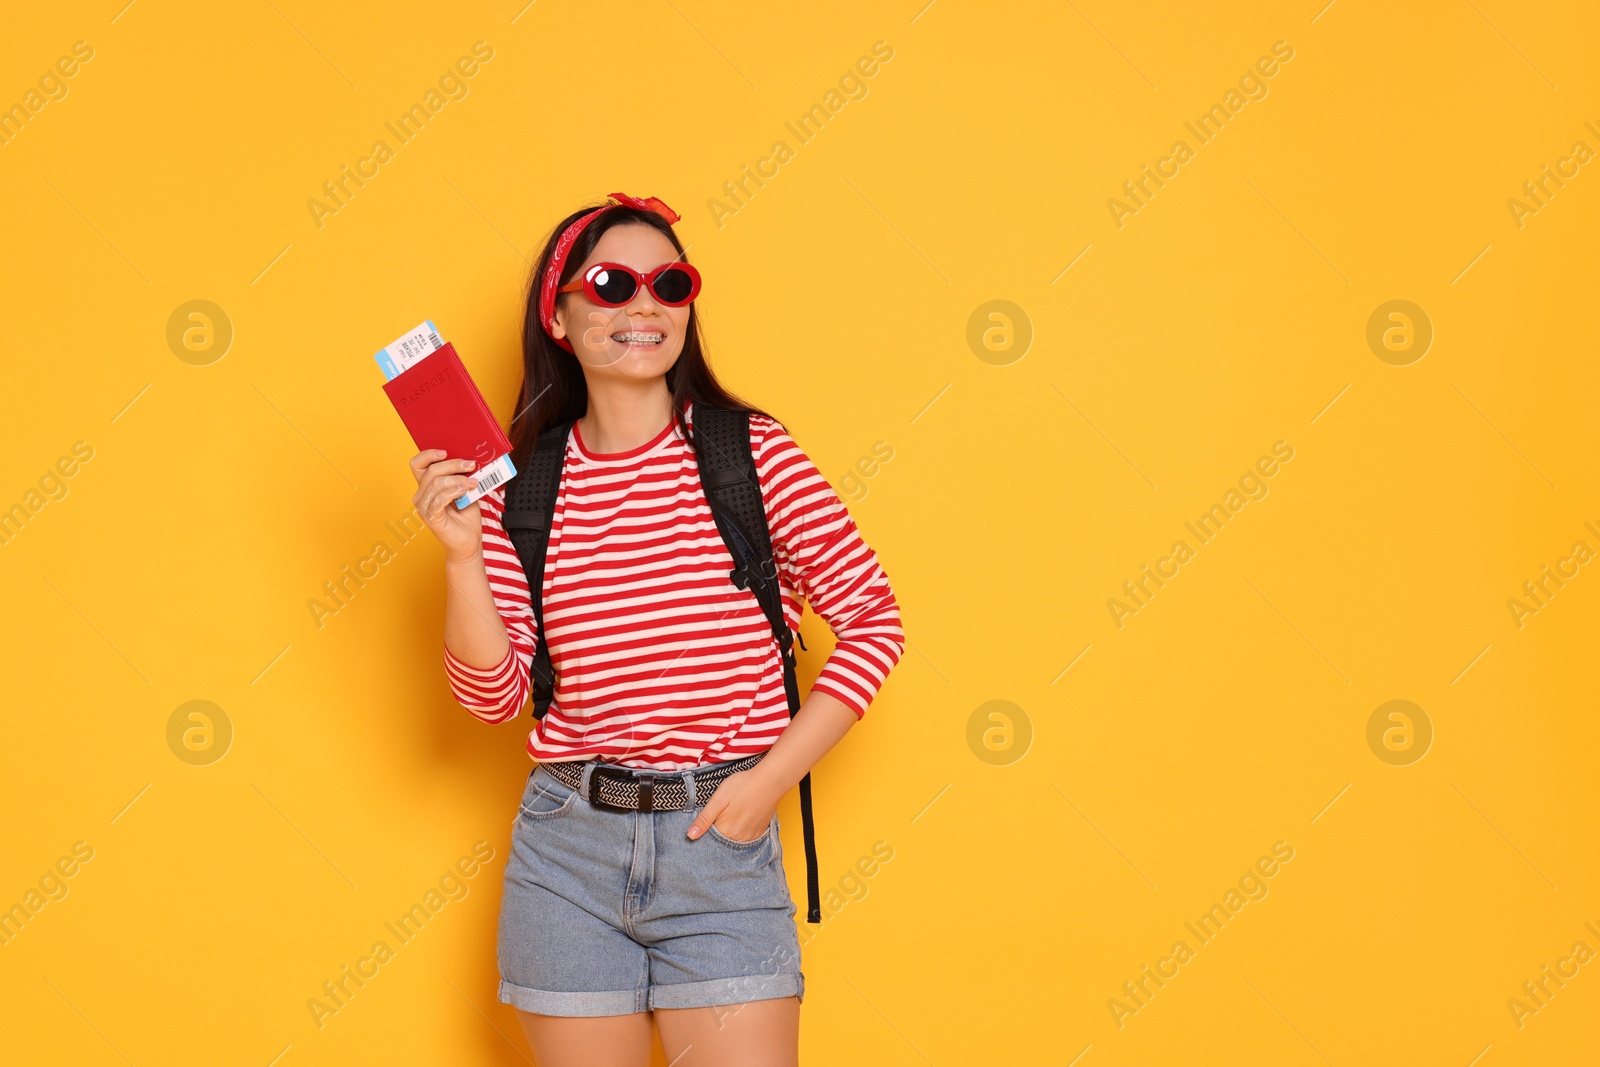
[1228, 314]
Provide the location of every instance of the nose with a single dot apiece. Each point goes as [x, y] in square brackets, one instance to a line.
[643, 302]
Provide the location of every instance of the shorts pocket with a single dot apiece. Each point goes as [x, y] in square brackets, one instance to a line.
[772, 828]
[546, 798]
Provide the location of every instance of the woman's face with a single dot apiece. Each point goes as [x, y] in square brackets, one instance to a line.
[643, 338]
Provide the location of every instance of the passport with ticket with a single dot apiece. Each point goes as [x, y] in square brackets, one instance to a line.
[442, 408]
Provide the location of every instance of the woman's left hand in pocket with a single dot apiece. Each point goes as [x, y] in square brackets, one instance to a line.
[740, 809]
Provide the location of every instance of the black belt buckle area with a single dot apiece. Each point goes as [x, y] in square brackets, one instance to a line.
[649, 798]
[594, 789]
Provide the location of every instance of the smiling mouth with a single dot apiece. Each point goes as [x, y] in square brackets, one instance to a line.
[639, 338]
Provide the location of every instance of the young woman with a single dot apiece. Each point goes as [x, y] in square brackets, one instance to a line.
[668, 675]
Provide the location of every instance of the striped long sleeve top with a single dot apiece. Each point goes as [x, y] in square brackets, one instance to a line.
[661, 662]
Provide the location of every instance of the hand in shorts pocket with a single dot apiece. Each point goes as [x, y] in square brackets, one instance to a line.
[725, 839]
[741, 799]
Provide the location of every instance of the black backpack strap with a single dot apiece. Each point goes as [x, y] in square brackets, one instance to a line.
[728, 473]
[530, 508]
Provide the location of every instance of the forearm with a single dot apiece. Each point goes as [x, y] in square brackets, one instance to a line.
[473, 630]
[820, 723]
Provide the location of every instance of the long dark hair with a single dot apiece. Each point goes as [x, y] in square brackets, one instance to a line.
[553, 388]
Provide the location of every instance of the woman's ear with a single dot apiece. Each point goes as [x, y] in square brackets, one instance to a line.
[559, 330]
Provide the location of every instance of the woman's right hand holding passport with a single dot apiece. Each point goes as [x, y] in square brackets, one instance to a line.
[439, 482]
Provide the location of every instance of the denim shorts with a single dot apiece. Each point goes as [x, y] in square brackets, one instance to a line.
[615, 912]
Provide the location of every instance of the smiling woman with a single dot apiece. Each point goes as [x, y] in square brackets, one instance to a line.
[642, 579]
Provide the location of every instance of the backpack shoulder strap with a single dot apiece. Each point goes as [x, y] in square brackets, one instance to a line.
[530, 507]
[728, 474]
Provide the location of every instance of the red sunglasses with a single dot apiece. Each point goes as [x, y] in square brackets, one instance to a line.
[613, 285]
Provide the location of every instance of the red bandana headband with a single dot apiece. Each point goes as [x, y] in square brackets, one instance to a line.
[558, 262]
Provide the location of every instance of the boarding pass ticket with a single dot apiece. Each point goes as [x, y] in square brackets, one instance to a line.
[407, 351]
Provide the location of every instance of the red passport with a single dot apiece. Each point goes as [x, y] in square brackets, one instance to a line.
[442, 408]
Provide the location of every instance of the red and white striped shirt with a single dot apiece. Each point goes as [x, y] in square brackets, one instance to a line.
[661, 662]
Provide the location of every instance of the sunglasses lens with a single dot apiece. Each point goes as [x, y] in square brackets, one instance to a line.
[614, 287]
[674, 286]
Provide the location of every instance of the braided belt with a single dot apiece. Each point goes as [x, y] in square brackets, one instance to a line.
[620, 789]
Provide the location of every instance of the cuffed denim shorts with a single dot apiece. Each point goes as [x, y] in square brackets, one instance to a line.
[615, 912]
